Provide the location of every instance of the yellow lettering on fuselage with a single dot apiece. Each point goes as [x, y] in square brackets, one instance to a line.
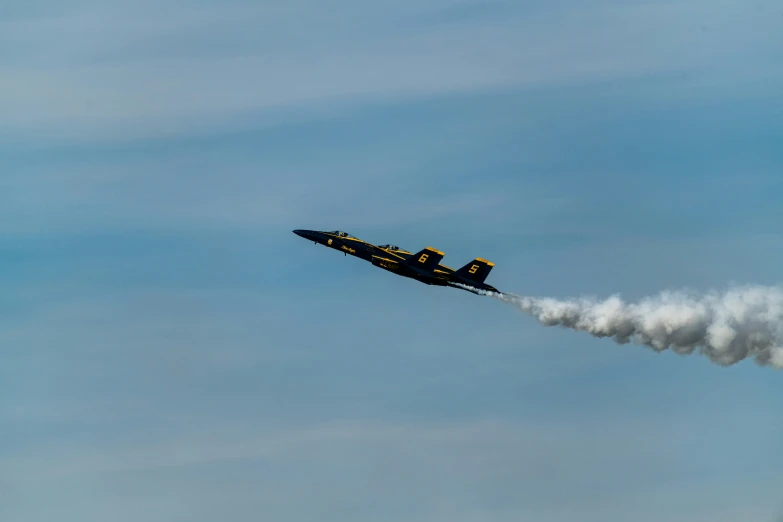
[391, 265]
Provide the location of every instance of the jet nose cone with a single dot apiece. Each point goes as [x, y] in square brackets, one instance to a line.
[307, 234]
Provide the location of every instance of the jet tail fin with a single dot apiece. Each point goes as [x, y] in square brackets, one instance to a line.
[476, 271]
[426, 259]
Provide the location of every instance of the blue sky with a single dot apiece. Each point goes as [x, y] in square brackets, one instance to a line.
[170, 351]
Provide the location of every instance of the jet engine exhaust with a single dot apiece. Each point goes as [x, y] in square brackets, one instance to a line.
[726, 326]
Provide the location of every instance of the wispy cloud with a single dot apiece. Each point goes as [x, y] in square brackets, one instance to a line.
[118, 72]
[193, 189]
[610, 466]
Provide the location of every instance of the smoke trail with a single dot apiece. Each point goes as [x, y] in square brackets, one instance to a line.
[727, 327]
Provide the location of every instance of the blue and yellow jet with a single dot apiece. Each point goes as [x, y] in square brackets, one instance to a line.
[422, 266]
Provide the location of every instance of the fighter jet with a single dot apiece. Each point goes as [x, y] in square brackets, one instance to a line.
[423, 266]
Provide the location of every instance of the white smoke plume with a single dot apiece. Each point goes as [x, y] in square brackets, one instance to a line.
[729, 326]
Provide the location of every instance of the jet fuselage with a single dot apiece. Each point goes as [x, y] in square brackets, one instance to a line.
[423, 266]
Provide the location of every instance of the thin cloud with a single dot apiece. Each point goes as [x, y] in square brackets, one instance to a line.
[109, 74]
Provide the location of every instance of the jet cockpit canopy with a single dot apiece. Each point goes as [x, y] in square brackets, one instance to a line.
[340, 233]
[390, 247]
